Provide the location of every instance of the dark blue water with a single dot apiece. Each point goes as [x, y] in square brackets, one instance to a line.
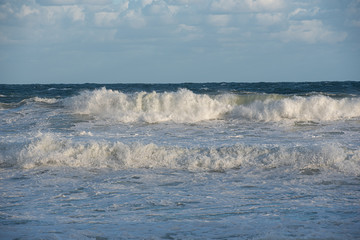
[17, 92]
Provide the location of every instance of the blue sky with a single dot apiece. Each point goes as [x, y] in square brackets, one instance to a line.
[168, 41]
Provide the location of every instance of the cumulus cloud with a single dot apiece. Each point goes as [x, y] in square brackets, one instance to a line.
[310, 31]
[146, 2]
[5, 10]
[77, 13]
[354, 11]
[188, 32]
[269, 18]
[304, 13]
[106, 19]
[173, 19]
[356, 23]
[247, 5]
[135, 19]
[26, 10]
[110, 18]
[186, 28]
[72, 2]
[53, 15]
[219, 20]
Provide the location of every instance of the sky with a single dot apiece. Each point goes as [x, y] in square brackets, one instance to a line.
[174, 41]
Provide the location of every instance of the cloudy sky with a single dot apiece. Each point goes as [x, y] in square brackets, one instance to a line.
[166, 41]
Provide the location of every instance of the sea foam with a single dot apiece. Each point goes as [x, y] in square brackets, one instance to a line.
[45, 100]
[184, 106]
[312, 108]
[50, 150]
[180, 106]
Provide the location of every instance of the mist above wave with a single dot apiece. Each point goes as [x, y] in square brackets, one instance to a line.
[184, 106]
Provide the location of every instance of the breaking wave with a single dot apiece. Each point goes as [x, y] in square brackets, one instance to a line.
[184, 106]
[49, 150]
[313, 108]
[180, 106]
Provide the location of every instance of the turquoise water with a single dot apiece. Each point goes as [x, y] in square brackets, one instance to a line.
[180, 161]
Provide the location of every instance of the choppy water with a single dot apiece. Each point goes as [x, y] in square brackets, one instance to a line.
[180, 161]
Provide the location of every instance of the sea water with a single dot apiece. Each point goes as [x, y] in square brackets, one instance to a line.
[180, 161]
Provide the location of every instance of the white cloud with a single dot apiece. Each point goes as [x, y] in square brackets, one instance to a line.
[163, 16]
[106, 19]
[356, 23]
[5, 10]
[173, 9]
[188, 32]
[26, 10]
[247, 5]
[310, 31]
[111, 18]
[186, 28]
[76, 13]
[135, 19]
[269, 18]
[228, 30]
[123, 6]
[265, 5]
[354, 7]
[146, 2]
[219, 20]
[72, 2]
[302, 12]
[52, 15]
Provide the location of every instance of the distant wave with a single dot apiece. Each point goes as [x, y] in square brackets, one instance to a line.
[51, 151]
[312, 108]
[23, 102]
[45, 100]
[184, 106]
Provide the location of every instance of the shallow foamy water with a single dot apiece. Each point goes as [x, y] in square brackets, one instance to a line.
[131, 204]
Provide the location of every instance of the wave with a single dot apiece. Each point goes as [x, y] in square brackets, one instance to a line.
[184, 106]
[44, 100]
[4, 106]
[181, 106]
[313, 108]
[49, 150]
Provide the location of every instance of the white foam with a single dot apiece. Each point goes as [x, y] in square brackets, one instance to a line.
[185, 106]
[180, 106]
[85, 133]
[313, 108]
[50, 150]
[45, 100]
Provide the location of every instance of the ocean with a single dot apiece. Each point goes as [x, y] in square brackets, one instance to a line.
[180, 161]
